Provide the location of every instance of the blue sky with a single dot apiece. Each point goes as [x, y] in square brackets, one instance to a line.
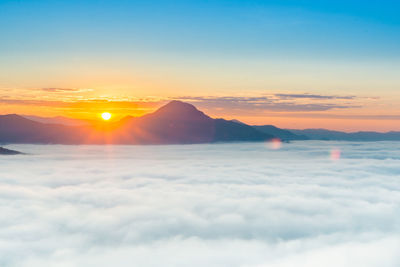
[125, 49]
[355, 29]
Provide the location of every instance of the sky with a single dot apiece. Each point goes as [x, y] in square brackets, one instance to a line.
[203, 205]
[294, 64]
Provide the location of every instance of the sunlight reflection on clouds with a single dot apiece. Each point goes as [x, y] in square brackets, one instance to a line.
[201, 205]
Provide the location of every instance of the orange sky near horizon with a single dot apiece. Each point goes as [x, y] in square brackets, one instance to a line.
[286, 110]
[256, 93]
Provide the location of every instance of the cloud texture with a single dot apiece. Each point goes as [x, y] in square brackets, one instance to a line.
[273, 102]
[277, 102]
[201, 205]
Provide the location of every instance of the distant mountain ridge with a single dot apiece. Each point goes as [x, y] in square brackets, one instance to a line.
[17, 129]
[175, 123]
[322, 134]
[57, 120]
[5, 151]
[281, 133]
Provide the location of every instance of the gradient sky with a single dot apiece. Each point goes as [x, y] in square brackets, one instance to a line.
[295, 64]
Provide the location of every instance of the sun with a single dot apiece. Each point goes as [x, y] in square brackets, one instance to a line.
[106, 116]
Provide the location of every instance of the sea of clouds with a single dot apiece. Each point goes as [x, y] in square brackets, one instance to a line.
[202, 205]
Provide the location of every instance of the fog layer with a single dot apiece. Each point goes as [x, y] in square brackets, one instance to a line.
[202, 205]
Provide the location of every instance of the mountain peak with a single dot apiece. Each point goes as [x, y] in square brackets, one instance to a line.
[180, 110]
[13, 116]
[178, 105]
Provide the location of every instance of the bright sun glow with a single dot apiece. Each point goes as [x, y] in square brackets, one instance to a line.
[106, 116]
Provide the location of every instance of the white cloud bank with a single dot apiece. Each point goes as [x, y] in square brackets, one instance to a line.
[201, 205]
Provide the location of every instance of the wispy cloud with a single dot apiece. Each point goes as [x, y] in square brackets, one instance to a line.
[45, 103]
[230, 104]
[66, 90]
[312, 96]
[276, 102]
[76, 103]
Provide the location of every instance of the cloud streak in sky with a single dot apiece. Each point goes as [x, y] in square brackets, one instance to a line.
[312, 96]
[65, 90]
[277, 102]
[202, 205]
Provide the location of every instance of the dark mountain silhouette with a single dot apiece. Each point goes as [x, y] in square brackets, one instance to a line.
[5, 151]
[175, 123]
[237, 121]
[181, 123]
[17, 129]
[280, 133]
[322, 134]
[57, 120]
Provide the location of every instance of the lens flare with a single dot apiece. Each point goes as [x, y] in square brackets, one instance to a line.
[275, 144]
[335, 154]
